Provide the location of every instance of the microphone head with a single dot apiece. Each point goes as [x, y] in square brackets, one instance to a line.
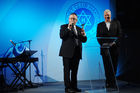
[72, 24]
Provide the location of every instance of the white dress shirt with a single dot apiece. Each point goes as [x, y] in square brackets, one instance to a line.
[108, 25]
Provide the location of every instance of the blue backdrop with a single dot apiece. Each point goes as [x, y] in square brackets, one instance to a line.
[40, 21]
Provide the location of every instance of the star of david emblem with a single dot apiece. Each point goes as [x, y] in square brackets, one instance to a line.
[84, 19]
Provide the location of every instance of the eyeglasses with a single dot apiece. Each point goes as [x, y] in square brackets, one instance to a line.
[73, 18]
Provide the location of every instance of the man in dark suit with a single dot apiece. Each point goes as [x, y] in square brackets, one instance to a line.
[109, 29]
[71, 50]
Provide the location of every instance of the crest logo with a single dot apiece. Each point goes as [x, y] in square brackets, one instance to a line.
[87, 14]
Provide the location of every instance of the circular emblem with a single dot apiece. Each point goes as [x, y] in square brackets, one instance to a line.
[87, 15]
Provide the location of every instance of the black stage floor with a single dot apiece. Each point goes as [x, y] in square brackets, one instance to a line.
[96, 86]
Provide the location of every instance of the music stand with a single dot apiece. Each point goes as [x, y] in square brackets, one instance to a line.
[27, 53]
[29, 41]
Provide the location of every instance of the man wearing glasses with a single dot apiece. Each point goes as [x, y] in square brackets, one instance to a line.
[71, 50]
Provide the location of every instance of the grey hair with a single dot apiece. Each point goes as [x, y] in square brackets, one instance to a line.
[107, 10]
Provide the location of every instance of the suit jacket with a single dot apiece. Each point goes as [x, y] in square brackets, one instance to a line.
[114, 31]
[68, 41]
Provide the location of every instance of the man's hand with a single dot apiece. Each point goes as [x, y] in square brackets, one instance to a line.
[69, 25]
[83, 32]
[113, 43]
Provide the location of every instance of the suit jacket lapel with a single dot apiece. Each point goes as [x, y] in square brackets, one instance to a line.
[77, 30]
[106, 29]
[110, 26]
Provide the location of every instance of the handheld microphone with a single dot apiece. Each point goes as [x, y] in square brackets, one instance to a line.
[13, 43]
[72, 25]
